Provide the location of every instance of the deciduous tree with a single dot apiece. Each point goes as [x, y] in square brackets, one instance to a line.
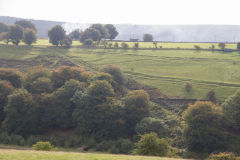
[3, 27]
[29, 36]
[56, 34]
[90, 33]
[147, 38]
[136, 105]
[4, 36]
[20, 113]
[231, 108]
[204, 130]
[26, 24]
[151, 145]
[15, 34]
[102, 30]
[75, 35]
[111, 30]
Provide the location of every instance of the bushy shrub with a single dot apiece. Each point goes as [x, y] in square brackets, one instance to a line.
[59, 140]
[5, 89]
[115, 45]
[188, 87]
[151, 145]
[21, 113]
[204, 129]
[31, 140]
[124, 45]
[212, 47]
[64, 73]
[100, 90]
[222, 156]
[136, 45]
[29, 36]
[231, 110]
[73, 141]
[221, 45]
[120, 146]
[88, 42]
[37, 80]
[125, 146]
[238, 45]
[197, 47]
[11, 75]
[116, 73]
[11, 139]
[110, 45]
[149, 124]
[44, 146]
[66, 42]
[104, 145]
[211, 96]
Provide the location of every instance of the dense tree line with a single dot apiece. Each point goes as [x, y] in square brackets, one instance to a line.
[25, 31]
[70, 98]
[96, 32]
[22, 30]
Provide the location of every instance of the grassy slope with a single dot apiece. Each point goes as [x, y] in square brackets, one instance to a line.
[9, 154]
[168, 70]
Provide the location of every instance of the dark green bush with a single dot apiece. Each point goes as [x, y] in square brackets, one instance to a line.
[204, 129]
[11, 75]
[32, 140]
[37, 80]
[231, 110]
[121, 146]
[114, 150]
[125, 146]
[151, 145]
[21, 113]
[124, 45]
[188, 87]
[44, 146]
[88, 42]
[64, 73]
[211, 96]
[11, 139]
[222, 156]
[5, 89]
[149, 124]
[116, 73]
[197, 47]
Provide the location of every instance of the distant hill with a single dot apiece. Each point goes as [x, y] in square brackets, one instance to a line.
[176, 33]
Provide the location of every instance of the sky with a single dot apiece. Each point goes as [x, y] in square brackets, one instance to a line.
[148, 12]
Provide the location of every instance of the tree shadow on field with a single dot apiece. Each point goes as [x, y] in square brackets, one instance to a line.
[16, 52]
[56, 50]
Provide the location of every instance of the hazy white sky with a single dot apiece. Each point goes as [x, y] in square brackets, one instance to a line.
[126, 11]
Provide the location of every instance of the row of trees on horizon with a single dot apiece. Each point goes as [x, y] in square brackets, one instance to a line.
[24, 30]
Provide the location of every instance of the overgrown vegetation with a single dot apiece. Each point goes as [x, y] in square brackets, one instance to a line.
[97, 108]
[43, 146]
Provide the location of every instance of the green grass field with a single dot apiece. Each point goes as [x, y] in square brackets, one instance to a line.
[10, 154]
[45, 42]
[168, 70]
